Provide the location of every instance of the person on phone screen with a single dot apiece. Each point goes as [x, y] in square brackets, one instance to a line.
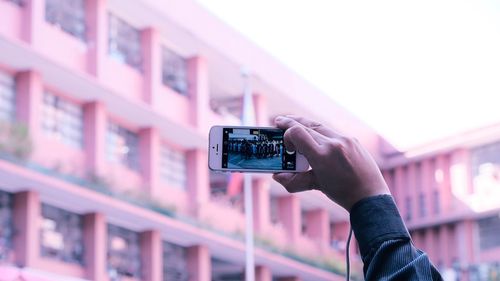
[346, 173]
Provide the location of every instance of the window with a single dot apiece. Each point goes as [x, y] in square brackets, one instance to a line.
[6, 226]
[122, 146]
[437, 202]
[17, 2]
[124, 42]
[69, 15]
[174, 71]
[421, 205]
[489, 228]
[174, 263]
[408, 208]
[123, 253]
[61, 235]
[486, 169]
[7, 97]
[173, 167]
[274, 209]
[63, 120]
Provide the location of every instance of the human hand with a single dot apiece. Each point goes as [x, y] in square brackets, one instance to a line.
[340, 167]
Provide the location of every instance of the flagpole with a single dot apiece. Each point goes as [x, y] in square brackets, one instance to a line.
[248, 120]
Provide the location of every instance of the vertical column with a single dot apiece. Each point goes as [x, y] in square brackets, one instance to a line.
[151, 52]
[198, 182]
[261, 204]
[318, 226]
[149, 147]
[261, 109]
[26, 214]
[95, 241]
[34, 17]
[289, 215]
[199, 263]
[97, 35]
[443, 183]
[199, 92]
[29, 89]
[94, 137]
[151, 256]
[263, 273]
[399, 186]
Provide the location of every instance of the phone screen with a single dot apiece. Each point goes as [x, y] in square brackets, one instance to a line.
[258, 149]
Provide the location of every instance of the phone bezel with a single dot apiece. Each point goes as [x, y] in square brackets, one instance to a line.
[215, 147]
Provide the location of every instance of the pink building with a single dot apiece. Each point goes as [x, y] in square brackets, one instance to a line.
[105, 108]
[448, 193]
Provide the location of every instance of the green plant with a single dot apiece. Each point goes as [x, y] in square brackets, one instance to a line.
[15, 140]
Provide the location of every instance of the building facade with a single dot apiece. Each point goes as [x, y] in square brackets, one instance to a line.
[105, 108]
[448, 194]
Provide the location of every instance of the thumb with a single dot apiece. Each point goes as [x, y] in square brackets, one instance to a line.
[296, 182]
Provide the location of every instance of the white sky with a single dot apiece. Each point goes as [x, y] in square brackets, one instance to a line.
[413, 70]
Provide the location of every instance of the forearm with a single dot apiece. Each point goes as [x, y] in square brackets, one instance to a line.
[385, 244]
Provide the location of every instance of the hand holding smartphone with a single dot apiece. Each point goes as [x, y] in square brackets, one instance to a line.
[252, 149]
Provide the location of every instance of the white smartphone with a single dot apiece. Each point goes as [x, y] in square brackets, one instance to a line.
[252, 149]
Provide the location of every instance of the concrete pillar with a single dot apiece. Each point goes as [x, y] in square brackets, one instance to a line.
[96, 19]
[261, 109]
[149, 153]
[95, 240]
[263, 273]
[151, 53]
[261, 204]
[199, 92]
[199, 263]
[399, 187]
[29, 98]
[318, 226]
[95, 128]
[26, 217]
[151, 255]
[34, 17]
[198, 182]
[443, 183]
[290, 216]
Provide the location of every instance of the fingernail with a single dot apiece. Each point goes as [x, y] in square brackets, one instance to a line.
[279, 118]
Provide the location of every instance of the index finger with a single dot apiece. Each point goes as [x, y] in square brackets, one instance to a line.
[301, 140]
[285, 122]
[316, 126]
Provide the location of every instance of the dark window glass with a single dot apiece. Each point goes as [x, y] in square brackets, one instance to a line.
[173, 167]
[422, 205]
[7, 97]
[61, 235]
[124, 42]
[69, 15]
[123, 253]
[17, 2]
[408, 209]
[489, 232]
[174, 71]
[437, 202]
[174, 262]
[122, 146]
[62, 120]
[6, 226]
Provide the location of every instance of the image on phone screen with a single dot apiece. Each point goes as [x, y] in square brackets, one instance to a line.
[260, 149]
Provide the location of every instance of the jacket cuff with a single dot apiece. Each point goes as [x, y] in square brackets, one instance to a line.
[374, 220]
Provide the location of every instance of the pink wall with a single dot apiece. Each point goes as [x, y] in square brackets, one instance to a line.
[10, 20]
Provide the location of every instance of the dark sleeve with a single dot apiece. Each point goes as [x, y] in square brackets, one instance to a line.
[385, 244]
